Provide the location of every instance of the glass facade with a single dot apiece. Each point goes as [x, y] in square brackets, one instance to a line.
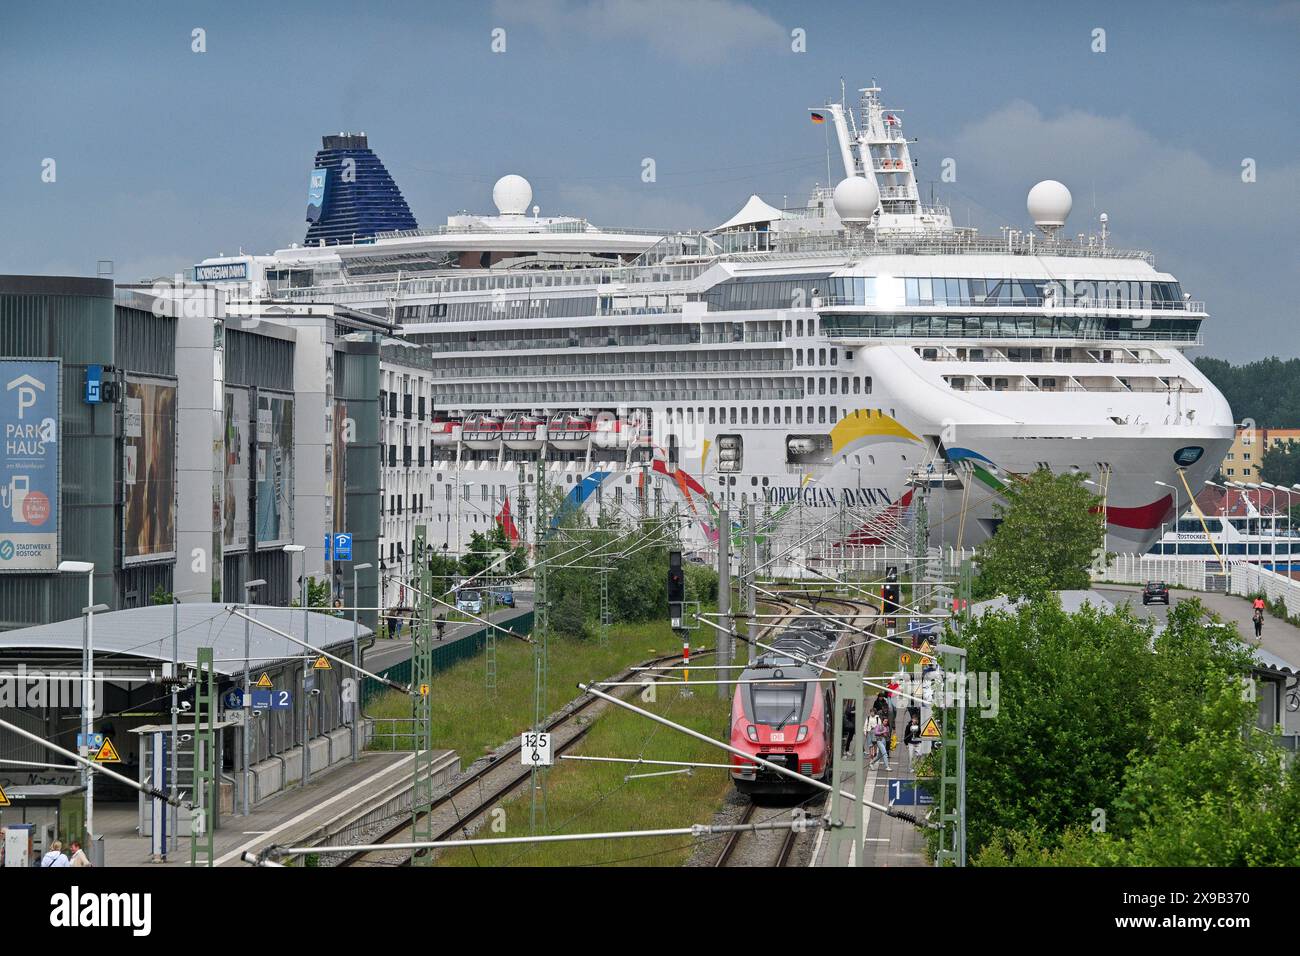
[921, 291]
[1011, 326]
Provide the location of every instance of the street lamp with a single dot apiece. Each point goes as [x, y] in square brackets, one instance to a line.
[356, 654]
[87, 685]
[246, 797]
[1176, 516]
[306, 620]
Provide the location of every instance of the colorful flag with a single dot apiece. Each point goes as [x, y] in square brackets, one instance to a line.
[818, 118]
[891, 119]
[507, 522]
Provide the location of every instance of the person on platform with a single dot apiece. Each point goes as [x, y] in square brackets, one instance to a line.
[912, 740]
[848, 727]
[880, 735]
[79, 857]
[1258, 618]
[54, 857]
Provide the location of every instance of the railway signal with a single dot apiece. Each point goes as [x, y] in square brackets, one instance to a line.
[676, 591]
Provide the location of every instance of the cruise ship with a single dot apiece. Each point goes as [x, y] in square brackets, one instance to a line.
[839, 358]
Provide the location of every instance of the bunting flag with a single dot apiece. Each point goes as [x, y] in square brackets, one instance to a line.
[507, 522]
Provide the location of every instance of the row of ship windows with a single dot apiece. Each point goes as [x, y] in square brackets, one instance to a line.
[1017, 326]
[866, 290]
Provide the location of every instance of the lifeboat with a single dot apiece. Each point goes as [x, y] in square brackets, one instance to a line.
[569, 432]
[446, 432]
[523, 431]
[481, 431]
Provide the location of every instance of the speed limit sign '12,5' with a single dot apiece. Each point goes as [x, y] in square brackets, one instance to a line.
[535, 749]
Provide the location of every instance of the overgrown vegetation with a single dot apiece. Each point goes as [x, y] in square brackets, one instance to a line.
[588, 797]
[466, 720]
[1112, 745]
[1050, 532]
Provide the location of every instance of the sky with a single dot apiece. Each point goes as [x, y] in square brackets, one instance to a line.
[164, 155]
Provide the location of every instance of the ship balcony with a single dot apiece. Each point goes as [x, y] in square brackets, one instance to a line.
[831, 303]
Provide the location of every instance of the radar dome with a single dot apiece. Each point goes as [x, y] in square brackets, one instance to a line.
[856, 199]
[1049, 204]
[512, 194]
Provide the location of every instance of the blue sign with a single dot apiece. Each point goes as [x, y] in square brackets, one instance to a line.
[271, 699]
[343, 547]
[96, 741]
[234, 698]
[908, 793]
[221, 272]
[94, 384]
[329, 546]
[29, 465]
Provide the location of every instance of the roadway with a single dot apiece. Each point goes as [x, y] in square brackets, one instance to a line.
[1279, 637]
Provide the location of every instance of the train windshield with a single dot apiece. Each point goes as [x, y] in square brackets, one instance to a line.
[778, 704]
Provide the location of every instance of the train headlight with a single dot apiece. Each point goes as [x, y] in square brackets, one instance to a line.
[803, 734]
[752, 733]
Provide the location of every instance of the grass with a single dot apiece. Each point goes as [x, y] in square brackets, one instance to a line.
[467, 721]
[583, 797]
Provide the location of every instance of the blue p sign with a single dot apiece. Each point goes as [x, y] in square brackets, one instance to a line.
[343, 547]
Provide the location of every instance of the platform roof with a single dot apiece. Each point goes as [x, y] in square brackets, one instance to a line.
[143, 635]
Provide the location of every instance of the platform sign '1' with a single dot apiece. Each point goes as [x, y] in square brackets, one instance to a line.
[535, 749]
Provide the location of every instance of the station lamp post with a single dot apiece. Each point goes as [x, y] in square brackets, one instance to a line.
[1177, 514]
[246, 795]
[173, 770]
[356, 655]
[87, 684]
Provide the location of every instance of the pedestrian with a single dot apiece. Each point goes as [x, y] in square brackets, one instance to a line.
[1258, 618]
[849, 727]
[912, 739]
[79, 857]
[880, 733]
[1259, 603]
[54, 856]
[880, 706]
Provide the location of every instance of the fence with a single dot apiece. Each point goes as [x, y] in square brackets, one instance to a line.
[444, 655]
[1249, 578]
[1195, 573]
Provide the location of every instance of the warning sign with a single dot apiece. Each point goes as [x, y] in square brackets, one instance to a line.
[424, 690]
[264, 680]
[107, 753]
[925, 646]
[926, 661]
[930, 729]
[322, 664]
[904, 659]
[4, 798]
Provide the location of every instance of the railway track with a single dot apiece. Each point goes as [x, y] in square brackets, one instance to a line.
[493, 782]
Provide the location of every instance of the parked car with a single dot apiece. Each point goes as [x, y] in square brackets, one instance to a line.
[505, 597]
[471, 602]
[1156, 591]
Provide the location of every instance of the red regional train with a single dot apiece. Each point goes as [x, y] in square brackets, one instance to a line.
[787, 719]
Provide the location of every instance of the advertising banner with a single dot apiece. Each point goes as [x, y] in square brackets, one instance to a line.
[274, 470]
[316, 193]
[148, 470]
[29, 468]
[234, 522]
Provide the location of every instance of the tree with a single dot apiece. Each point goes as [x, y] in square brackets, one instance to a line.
[1266, 392]
[476, 559]
[1281, 465]
[318, 594]
[1049, 533]
[1114, 745]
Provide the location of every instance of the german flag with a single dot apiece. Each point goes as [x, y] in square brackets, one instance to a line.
[818, 118]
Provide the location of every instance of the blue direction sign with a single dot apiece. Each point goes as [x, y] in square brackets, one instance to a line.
[96, 741]
[908, 793]
[343, 547]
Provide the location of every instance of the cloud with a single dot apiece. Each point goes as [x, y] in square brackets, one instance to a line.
[1230, 242]
[694, 31]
